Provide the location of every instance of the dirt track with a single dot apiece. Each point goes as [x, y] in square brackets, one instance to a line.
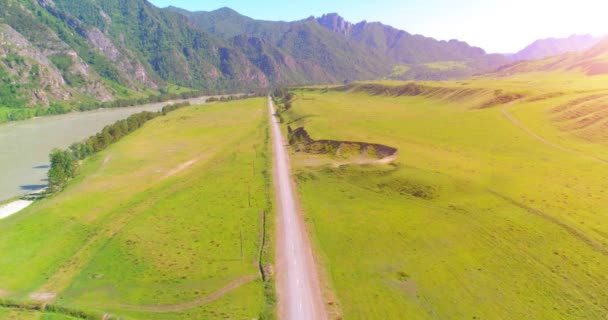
[300, 296]
[198, 302]
[544, 141]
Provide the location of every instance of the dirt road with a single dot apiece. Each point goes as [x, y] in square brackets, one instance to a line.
[298, 287]
[517, 123]
[542, 140]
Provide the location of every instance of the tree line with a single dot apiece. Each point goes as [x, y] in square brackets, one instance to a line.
[20, 112]
[235, 97]
[64, 163]
[283, 97]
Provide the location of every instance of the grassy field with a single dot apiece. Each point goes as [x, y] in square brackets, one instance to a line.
[12, 314]
[476, 219]
[165, 224]
[445, 65]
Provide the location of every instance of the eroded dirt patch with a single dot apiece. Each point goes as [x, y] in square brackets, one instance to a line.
[411, 90]
[545, 96]
[586, 117]
[356, 152]
[578, 101]
[501, 98]
[180, 168]
[409, 287]
[43, 296]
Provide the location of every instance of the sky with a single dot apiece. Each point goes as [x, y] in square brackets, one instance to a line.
[496, 26]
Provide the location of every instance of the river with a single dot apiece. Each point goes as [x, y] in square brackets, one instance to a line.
[25, 145]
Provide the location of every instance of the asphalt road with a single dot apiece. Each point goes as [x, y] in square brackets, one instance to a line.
[300, 296]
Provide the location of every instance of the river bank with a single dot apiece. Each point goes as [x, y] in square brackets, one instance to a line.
[25, 145]
[13, 207]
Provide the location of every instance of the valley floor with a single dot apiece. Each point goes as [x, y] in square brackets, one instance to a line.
[491, 208]
[475, 219]
[165, 224]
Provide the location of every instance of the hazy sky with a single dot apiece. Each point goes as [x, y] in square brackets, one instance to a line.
[497, 26]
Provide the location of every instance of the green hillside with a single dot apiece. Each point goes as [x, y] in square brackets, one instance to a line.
[351, 51]
[61, 55]
[319, 55]
[76, 54]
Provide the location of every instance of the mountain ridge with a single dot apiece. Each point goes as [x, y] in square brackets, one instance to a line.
[71, 52]
[547, 47]
[102, 51]
[591, 62]
[396, 47]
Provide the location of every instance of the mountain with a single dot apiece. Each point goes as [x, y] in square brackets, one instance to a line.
[329, 56]
[66, 50]
[426, 58]
[227, 23]
[544, 48]
[61, 54]
[401, 46]
[374, 49]
[593, 61]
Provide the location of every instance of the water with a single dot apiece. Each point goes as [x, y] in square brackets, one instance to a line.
[25, 145]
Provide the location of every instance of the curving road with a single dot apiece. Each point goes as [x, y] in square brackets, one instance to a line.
[300, 296]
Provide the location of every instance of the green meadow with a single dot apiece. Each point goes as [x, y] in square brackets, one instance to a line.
[480, 216]
[446, 65]
[165, 224]
[6, 313]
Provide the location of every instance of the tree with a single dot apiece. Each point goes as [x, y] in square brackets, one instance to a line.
[63, 168]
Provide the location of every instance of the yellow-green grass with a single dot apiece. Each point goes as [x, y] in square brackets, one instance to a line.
[582, 115]
[400, 70]
[530, 83]
[476, 218]
[157, 219]
[446, 65]
[15, 314]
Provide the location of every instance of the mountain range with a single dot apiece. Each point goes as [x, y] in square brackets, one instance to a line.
[590, 62]
[544, 48]
[61, 51]
[330, 42]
